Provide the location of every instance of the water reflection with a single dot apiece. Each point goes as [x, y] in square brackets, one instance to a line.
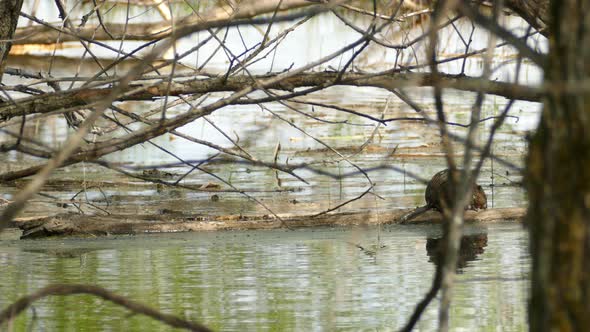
[472, 246]
[302, 280]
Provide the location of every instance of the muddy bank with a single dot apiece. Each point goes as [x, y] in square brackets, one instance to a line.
[84, 225]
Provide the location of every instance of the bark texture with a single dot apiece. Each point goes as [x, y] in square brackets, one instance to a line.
[9, 12]
[558, 180]
[535, 12]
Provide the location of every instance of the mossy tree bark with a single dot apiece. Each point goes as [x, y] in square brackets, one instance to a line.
[558, 179]
[9, 12]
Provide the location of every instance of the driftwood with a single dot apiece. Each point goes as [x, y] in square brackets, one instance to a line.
[83, 225]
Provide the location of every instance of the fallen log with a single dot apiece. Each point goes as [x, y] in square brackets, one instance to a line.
[84, 225]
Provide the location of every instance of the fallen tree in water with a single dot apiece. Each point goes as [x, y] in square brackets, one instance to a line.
[84, 225]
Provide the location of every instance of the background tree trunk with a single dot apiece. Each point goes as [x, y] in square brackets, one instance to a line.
[535, 12]
[9, 12]
[558, 179]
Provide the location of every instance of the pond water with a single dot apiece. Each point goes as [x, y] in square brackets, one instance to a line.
[304, 280]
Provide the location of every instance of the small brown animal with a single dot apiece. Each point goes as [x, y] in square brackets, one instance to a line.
[439, 194]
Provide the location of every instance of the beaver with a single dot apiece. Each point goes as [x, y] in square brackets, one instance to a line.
[438, 195]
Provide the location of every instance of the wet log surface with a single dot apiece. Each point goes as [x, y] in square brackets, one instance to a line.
[84, 225]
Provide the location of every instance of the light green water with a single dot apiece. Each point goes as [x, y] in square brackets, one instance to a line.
[304, 280]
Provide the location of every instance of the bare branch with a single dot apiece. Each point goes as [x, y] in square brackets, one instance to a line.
[13, 310]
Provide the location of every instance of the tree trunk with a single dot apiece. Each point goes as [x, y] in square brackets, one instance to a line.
[535, 12]
[558, 179]
[9, 12]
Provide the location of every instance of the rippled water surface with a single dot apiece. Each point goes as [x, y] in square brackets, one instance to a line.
[303, 280]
